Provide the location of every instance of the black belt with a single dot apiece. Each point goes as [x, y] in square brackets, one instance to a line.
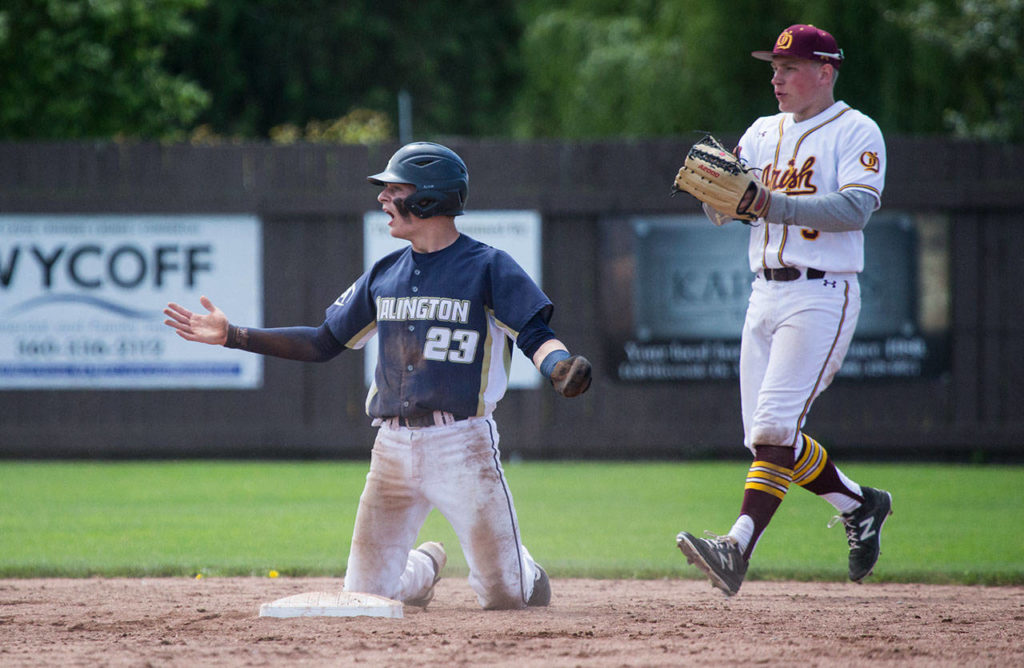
[435, 419]
[790, 274]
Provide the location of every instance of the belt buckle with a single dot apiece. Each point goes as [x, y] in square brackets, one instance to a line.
[420, 421]
[435, 419]
[783, 274]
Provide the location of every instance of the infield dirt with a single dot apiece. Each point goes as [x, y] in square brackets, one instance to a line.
[215, 622]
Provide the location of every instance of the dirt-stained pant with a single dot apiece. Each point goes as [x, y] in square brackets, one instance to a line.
[455, 468]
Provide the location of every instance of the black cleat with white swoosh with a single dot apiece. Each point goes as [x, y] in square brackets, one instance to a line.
[719, 557]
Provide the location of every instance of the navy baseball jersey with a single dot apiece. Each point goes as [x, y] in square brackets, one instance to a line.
[445, 323]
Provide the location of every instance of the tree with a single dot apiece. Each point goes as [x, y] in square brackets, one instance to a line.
[74, 69]
[631, 68]
[640, 68]
[332, 71]
[985, 41]
[279, 63]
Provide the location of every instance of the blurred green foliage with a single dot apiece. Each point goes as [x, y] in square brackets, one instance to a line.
[78, 69]
[648, 68]
[985, 43]
[322, 70]
[274, 63]
[359, 126]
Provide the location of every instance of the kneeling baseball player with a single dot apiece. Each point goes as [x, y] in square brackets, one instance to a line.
[446, 310]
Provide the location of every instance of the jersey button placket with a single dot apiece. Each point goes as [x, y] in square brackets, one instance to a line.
[417, 453]
[412, 328]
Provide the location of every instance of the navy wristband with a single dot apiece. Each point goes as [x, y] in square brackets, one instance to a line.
[553, 358]
[234, 339]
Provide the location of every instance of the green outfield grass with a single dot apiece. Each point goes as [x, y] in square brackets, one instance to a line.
[955, 524]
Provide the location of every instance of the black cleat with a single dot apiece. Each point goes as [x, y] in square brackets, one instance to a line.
[719, 558]
[541, 595]
[864, 530]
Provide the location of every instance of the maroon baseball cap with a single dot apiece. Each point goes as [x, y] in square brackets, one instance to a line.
[805, 41]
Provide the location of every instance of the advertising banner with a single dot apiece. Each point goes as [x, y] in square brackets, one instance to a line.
[677, 289]
[81, 299]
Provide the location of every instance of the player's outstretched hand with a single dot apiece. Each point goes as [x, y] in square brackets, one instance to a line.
[571, 376]
[209, 328]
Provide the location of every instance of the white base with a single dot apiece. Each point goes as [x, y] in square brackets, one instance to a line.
[332, 604]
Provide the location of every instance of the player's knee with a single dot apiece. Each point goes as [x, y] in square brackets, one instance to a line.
[768, 434]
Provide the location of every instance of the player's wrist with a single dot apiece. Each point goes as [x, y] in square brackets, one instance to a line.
[552, 358]
[776, 211]
[236, 337]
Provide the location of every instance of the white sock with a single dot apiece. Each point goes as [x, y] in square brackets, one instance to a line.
[843, 503]
[742, 531]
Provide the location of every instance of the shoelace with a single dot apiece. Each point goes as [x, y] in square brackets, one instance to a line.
[723, 541]
[851, 529]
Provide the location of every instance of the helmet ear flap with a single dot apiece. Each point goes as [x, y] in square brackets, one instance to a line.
[428, 203]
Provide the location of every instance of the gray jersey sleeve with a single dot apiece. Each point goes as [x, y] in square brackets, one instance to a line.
[843, 211]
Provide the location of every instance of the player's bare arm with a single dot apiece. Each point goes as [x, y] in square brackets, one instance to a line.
[546, 348]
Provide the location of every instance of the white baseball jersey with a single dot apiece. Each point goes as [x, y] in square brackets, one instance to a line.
[836, 150]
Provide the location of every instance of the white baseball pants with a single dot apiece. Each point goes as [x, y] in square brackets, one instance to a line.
[455, 468]
[795, 337]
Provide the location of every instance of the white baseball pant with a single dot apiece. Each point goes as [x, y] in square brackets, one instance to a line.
[455, 468]
[795, 337]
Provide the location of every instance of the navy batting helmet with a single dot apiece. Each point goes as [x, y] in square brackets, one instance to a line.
[440, 177]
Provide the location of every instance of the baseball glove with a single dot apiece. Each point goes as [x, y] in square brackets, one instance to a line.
[571, 376]
[718, 178]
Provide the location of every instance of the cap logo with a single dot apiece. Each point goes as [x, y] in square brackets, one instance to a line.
[784, 41]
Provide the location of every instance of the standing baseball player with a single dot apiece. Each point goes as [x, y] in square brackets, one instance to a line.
[446, 310]
[822, 170]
